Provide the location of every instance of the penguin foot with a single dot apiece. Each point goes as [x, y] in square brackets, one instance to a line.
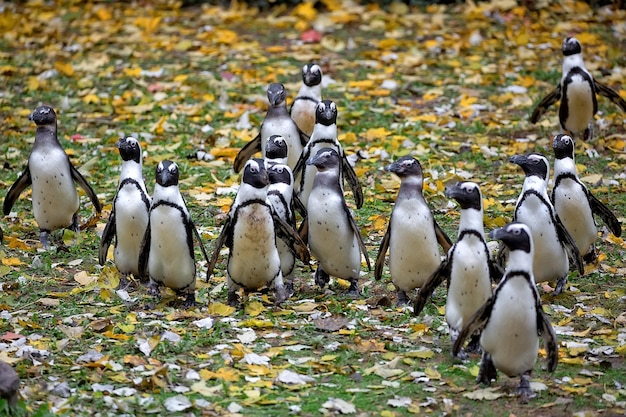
[153, 289]
[560, 286]
[462, 355]
[474, 345]
[281, 294]
[44, 239]
[591, 257]
[487, 370]
[523, 390]
[353, 291]
[233, 299]
[322, 278]
[588, 133]
[124, 283]
[190, 300]
[403, 299]
[289, 288]
[74, 226]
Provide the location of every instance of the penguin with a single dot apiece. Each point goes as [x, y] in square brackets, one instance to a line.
[277, 122]
[552, 242]
[333, 235]
[9, 385]
[324, 135]
[512, 319]
[412, 236]
[577, 93]
[468, 267]
[574, 203]
[303, 107]
[166, 255]
[51, 174]
[250, 233]
[280, 197]
[129, 213]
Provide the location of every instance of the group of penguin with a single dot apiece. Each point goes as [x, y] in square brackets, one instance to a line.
[301, 171]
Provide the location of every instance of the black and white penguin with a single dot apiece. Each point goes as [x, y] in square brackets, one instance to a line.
[280, 197]
[303, 107]
[250, 233]
[552, 242]
[577, 93]
[277, 122]
[333, 235]
[167, 254]
[413, 236]
[51, 174]
[324, 136]
[512, 319]
[130, 211]
[574, 203]
[468, 267]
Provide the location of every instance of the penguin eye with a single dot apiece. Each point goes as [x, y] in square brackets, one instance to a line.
[279, 169]
[516, 231]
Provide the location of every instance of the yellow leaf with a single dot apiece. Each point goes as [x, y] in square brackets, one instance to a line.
[377, 133]
[105, 294]
[257, 370]
[103, 13]
[422, 353]
[11, 261]
[328, 358]
[432, 373]
[132, 72]
[441, 310]
[306, 11]
[201, 388]
[348, 137]
[474, 370]
[226, 36]
[256, 324]
[109, 278]
[116, 336]
[226, 374]
[574, 390]
[220, 309]
[64, 68]
[126, 328]
[254, 308]
[83, 278]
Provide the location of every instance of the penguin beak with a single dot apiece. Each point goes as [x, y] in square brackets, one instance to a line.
[30, 116]
[498, 234]
[394, 167]
[453, 190]
[119, 142]
[520, 160]
[164, 177]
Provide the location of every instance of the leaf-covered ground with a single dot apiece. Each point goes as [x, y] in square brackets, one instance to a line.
[451, 85]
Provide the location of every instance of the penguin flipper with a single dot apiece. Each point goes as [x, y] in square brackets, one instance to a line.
[78, 177]
[598, 208]
[353, 181]
[359, 238]
[144, 252]
[608, 92]
[291, 236]
[304, 138]
[570, 245]
[202, 248]
[303, 230]
[475, 325]
[218, 246]
[247, 152]
[382, 252]
[299, 207]
[546, 330]
[545, 103]
[16, 189]
[425, 292]
[298, 170]
[107, 238]
[496, 272]
[442, 237]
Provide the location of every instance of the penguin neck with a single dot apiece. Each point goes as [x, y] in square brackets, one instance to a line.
[564, 165]
[131, 169]
[277, 111]
[247, 192]
[328, 178]
[573, 61]
[411, 187]
[520, 260]
[321, 131]
[46, 134]
[170, 194]
[536, 183]
[472, 219]
[311, 91]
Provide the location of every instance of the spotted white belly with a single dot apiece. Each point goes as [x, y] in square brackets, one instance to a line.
[579, 104]
[570, 202]
[131, 221]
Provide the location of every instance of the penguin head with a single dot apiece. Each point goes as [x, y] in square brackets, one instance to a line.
[571, 46]
[563, 146]
[533, 164]
[405, 167]
[325, 159]
[43, 115]
[279, 173]
[255, 174]
[311, 75]
[516, 236]
[167, 173]
[276, 147]
[326, 113]
[467, 194]
[276, 94]
[129, 148]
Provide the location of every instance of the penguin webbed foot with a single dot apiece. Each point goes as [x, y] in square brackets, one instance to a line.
[190, 300]
[74, 226]
[289, 288]
[487, 370]
[591, 257]
[403, 298]
[560, 286]
[124, 284]
[233, 299]
[321, 277]
[44, 238]
[153, 289]
[353, 290]
[280, 295]
[523, 390]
